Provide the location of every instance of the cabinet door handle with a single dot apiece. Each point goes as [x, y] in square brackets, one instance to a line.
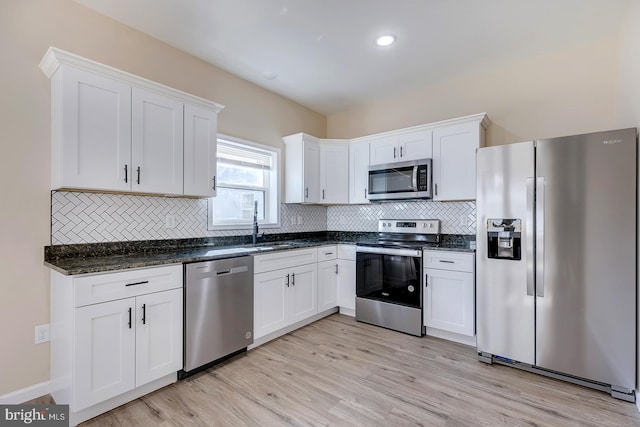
[129, 317]
[394, 152]
[400, 151]
[214, 183]
[426, 281]
[293, 279]
[365, 192]
[306, 193]
[287, 281]
[138, 170]
[323, 194]
[144, 314]
[137, 283]
[436, 185]
[336, 268]
[126, 173]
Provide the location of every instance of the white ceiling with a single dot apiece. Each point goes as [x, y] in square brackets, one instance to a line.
[323, 51]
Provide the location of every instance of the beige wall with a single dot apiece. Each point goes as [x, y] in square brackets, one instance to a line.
[561, 93]
[629, 98]
[29, 27]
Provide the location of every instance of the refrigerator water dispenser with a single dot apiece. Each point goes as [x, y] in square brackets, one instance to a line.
[504, 238]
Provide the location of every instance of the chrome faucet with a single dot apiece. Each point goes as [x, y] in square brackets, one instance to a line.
[255, 222]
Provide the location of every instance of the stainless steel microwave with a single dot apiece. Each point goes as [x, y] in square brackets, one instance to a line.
[401, 180]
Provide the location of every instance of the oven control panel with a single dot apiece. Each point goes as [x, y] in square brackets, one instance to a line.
[410, 226]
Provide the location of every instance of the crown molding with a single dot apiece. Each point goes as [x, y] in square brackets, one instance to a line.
[54, 58]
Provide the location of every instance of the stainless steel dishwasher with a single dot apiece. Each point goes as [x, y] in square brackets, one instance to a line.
[218, 315]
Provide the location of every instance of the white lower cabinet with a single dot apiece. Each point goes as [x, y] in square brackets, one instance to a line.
[347, 279]
[285, 295]
[449, 297]
[327, 277]
[114, 337]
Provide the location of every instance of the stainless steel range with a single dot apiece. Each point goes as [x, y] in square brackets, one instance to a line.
[389, 274]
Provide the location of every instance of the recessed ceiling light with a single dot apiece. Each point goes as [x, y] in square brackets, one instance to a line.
[270, 75]
[386, 40]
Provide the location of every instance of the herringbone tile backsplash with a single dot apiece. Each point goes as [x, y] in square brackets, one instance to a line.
[96, 217]
[455, 217]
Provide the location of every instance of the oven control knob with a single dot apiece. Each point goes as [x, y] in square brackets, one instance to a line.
[410, 288]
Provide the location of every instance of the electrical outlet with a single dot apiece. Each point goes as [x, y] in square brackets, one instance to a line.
[170, 221]
[42, 333]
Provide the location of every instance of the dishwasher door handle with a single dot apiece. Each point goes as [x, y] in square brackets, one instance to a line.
[234, 270]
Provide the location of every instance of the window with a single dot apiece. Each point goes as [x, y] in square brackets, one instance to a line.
[247, 173]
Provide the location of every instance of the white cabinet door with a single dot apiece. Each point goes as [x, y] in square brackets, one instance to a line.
[334, 172]
[271, 291]
[383, 150]
[105, 351]
[157, 143]
[92, 138]
[303, 290]
[358, 172]
[158, 335]
[454, 161]
[327, 285]
[415, 145]
[347, 284]
[200, 142]
[311, 171]
[449, 301]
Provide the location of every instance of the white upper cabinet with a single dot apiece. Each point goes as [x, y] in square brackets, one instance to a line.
[454, 160]
[334, 172]
[113, 131]
[156, 143]
[302, 169]
[200, 146]
[91, 131]
[412, 145]
[358, 172]
[383, 150]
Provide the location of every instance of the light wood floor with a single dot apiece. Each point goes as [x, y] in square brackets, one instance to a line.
[341, 372]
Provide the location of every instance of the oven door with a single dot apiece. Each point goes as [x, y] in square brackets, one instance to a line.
[389, 275]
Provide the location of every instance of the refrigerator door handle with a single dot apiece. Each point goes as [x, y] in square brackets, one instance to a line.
[540, 236]
[529, 236]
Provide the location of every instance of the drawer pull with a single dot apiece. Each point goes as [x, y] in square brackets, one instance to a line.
[447, 261]
[137, 283]
[328, 253]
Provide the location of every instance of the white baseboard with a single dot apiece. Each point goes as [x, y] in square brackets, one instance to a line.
[26, 394]
[348, 311]
[451, 336]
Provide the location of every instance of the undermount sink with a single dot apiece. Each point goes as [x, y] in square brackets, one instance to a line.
[272, 246]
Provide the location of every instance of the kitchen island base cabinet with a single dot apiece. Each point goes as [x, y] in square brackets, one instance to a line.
[114, 336]
[449, 297]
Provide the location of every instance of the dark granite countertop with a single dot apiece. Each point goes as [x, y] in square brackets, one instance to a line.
[103, 257]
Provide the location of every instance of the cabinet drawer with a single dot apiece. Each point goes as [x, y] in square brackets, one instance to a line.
[445, 260]
[125, 284]
[326, 253]
[347, 252]
[284, 259]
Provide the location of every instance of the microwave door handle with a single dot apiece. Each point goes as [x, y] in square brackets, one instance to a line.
[414, 178]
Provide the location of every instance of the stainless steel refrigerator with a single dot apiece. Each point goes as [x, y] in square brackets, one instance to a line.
[556, 258]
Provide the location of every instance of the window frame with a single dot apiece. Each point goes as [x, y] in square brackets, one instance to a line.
[275, 175]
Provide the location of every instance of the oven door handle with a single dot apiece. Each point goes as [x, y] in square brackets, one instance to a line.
[389, 251]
